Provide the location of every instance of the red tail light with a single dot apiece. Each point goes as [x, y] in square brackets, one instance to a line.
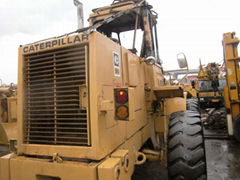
[121, 96]
[121, 104]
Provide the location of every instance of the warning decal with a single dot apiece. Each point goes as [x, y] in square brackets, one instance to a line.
[116, 64]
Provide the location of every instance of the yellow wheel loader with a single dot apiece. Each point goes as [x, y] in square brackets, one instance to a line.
[8, 117]
[88, 103]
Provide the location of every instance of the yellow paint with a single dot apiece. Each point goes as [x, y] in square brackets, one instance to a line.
[231, 58]
[112, 145]
[8, 116]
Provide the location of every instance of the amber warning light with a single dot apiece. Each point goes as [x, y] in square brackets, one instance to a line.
[121, 104]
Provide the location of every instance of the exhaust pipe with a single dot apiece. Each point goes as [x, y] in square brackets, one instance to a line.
[79, 6]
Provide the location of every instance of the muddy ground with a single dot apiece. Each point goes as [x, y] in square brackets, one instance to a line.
[223, 159]
[223, 162]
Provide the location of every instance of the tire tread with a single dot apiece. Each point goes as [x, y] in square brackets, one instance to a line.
[186, 150]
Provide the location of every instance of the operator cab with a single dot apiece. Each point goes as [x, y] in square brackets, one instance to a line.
[134, 21]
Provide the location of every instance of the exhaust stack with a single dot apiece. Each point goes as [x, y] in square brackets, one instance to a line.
[79, 6]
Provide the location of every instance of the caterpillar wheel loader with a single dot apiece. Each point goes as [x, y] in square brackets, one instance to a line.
[88, 106]
[8, 117]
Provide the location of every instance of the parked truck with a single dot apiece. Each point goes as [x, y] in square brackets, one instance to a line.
[211, 80]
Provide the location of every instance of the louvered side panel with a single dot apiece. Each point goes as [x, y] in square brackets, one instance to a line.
[52, 80]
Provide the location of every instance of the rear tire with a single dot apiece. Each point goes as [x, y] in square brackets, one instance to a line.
[236, 128]
[216, 119]
[186, 150]
[192, 104]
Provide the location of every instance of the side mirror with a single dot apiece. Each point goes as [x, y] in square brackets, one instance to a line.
[182, 60]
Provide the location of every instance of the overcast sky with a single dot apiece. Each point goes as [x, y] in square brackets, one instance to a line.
[194, 27]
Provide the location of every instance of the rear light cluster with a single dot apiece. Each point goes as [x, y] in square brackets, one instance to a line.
[121, 104]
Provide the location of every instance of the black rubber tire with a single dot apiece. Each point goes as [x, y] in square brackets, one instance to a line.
[236, 128]
[192, 105]
[186, 149]
[216, 119]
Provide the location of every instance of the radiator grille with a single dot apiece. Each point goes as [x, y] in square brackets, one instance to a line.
[52, 113]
